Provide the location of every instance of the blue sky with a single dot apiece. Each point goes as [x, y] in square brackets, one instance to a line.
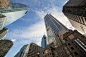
[31, 27]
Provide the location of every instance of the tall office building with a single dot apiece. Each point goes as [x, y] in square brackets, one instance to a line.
[31, 50]
[3, 33]
[13, 12]
[53, 28]
[5, 46]
[75, 11]
[4, 3]
[43, 42]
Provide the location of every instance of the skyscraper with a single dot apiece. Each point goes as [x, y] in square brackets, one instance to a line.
[43, 42]
[53, 28]
[68, 43]
[13, 12]
[10, 12]
[75, 11]
[5, 46]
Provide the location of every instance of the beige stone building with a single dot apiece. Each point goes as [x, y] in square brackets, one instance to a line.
[4, 3]
[5, 46]
[74, 46]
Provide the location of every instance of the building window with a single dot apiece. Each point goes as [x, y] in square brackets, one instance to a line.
[43, 52]
[69, 44]
[80, 51]
[72, 41]
[72, 48]
[65, 39]
[75, 53]
[75, 46]
[50, 53]
[82, 36]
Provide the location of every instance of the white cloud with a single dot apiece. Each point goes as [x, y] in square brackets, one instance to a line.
[57, 13]
[30, 34]
[13, 39]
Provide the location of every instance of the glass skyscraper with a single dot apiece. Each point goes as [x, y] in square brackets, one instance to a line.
[21, 52]
[10, 12]
[43, 42]
[53, 28]
[13, 12]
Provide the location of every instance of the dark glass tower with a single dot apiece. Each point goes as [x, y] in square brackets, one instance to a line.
[43, 42]
[53, 28]
[75, 11]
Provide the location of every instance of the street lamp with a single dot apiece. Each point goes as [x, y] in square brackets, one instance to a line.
[38, 54]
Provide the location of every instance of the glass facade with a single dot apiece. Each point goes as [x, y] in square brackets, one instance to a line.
[13, 12]
[53, 27]
[43, 43]
[21, 52]
[81, 44]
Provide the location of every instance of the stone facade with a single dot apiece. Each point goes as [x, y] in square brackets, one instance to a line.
[75, 11]
[34, 51]
[76, 43]
[74, 46]
[5, 46]
[4, 3]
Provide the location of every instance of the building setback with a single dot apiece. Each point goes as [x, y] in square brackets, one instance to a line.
[5, 46]
[43, 42]
[75, 11]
